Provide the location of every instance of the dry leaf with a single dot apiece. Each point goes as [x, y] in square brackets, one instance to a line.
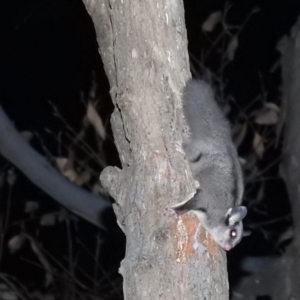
[83, 178]
[268, 115]
[232, 46]
[31, 207]
[67, 169]
[16, 243]
[65, 166]
[71, 175]
[212, 20]
[272, 106]
[268, 118]
[48, 220]
[95, 120]
[258, 145]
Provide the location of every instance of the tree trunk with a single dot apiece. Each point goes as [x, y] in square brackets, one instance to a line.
[290, 49]
[144, 51]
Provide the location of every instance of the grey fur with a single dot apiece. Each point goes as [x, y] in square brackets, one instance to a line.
[215, 165]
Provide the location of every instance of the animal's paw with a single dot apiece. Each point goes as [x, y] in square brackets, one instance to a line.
[187, 198]
[177, 208]
[170, 212]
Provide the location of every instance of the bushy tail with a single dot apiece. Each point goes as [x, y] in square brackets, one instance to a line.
[203, 115]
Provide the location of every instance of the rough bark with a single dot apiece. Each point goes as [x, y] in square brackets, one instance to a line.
[143, 47]
[15, 149]
[290, 49]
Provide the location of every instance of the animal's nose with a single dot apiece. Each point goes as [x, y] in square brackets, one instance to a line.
[227, 248]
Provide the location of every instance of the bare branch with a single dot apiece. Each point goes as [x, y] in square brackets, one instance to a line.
[15, 149]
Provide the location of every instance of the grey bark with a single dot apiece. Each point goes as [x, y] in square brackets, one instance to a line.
[15, 149]
[144, 51]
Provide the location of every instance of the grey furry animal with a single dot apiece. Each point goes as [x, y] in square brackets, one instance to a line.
[214, 162]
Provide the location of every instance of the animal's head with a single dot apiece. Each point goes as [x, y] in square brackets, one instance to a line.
[230, 233]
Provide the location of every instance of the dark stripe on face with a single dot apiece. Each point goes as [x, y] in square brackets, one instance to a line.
[227, 221]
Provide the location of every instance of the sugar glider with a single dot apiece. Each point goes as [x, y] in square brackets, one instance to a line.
[215, 165]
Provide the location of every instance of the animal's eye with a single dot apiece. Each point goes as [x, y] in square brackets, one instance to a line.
[233, 233]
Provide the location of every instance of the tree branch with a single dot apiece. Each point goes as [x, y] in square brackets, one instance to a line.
[15, 149]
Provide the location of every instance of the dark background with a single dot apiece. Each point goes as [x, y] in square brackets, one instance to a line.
[49, 52]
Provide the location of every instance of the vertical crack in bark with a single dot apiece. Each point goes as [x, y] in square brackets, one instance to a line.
[113, 40]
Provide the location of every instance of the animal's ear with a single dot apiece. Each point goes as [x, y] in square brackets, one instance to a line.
[236, 214]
